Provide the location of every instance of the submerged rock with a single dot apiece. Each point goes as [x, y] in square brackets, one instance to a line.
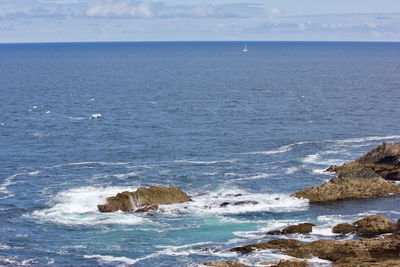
[356, 183]
[144, 199]
[384, 160]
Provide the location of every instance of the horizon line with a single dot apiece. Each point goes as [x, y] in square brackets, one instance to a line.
[197, 41]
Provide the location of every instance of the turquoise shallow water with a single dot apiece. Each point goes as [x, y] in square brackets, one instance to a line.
[219, 124]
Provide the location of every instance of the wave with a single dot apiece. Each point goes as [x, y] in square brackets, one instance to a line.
[79, 207]
[109, 259]
[365, 139]
[282, 149]
[15, 261]
[101, 163]
[76, 118]
[236, 201]
[316, 159]
[206, 162]
[122, 176]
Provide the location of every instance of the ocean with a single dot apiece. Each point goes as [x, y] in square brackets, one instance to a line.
[220, 124]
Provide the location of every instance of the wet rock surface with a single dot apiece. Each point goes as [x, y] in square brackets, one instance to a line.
[356, 183]
[384, 160]
[144, 199]
[302, 228]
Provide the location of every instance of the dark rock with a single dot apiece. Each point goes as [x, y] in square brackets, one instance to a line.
[239, 203]
[147, 208]
[303, 228]
[273, 244]
[344, 228]
[384, 160]
[143, 197]
[224, 204]
[275, 232]
[331, 168]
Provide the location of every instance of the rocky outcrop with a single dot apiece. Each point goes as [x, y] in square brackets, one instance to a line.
[144, 199]
[355, 183]
[273, 244]
[225, 264]
[374, 225]
[362, 252]
[302, 228]
[331, 168]
[291, 263]
[384, 160]
[344, 228]
[371, 225]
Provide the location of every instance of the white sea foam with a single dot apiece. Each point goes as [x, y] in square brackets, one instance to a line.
[78, 206]
[101, 163]
[253, 177]
[4, 247]
[15, 261]
[206, 162]
[282, 149]
[245, 203]
[322, 230]
[122, 176]
[76, 118]
[316, 159]
[109, 259]
[369, 138]
[291, 170]
[96, 116]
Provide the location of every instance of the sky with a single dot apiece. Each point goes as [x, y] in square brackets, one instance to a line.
[198, 20]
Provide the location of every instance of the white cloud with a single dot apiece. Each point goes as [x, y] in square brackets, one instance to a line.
[111, 8]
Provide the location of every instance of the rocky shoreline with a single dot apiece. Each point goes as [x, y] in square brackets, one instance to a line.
[379, 238]
[368, 176]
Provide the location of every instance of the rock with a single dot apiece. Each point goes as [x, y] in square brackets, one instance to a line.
[224, 204]
[225, 264]
[292, 263]
[144, 197]
[374, 225]
[147, 208]
[303, 228]
[344, 228]
[384, 160]
[274, 232]
[238, 203]
[361, 252]
[273, 244]
[331, 168]
[356, 183]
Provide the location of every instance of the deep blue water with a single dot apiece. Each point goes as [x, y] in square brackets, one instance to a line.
[201, 116]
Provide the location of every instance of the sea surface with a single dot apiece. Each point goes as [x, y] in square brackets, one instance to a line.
[222, 125]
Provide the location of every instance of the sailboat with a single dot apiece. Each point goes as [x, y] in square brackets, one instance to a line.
[245, 48]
